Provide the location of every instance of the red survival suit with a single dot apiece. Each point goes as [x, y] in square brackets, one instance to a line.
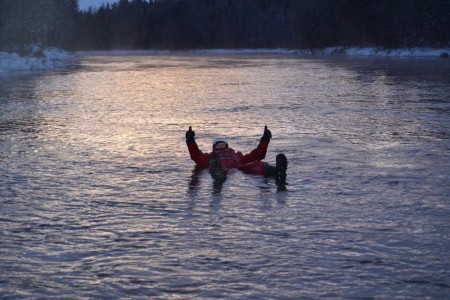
[250, 163]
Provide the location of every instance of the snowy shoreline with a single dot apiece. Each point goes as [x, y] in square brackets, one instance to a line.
[49, 59]
[341, 51]
[331, 51]
[53, 58]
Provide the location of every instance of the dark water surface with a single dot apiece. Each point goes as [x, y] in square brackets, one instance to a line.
[99, 199]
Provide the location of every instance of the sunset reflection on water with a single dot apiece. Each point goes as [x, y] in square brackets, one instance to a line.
[97, 189]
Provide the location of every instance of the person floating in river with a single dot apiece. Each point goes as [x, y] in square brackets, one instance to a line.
[223, 158]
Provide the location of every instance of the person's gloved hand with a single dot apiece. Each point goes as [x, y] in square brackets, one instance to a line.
[190, 135]
[267, 135]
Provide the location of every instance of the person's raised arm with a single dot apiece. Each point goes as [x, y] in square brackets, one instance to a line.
[196, 154]
[259, 153]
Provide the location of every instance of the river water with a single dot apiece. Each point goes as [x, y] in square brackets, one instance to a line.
[100, 200]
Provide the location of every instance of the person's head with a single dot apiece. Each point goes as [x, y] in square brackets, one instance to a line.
[220, 143]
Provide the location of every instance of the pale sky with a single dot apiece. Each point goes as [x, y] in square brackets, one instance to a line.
[85, 4]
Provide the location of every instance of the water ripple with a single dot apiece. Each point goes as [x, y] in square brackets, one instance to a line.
[99, 199]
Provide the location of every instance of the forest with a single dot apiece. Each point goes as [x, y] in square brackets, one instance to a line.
[209, 24]
[47, 23]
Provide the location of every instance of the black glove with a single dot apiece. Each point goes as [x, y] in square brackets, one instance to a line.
[190, 135]
[267, 135]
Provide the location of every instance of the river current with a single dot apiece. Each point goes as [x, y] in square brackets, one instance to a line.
[100, 200]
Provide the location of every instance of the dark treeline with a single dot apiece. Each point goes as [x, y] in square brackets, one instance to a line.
[183, 24]
[39, 22]
[180, 24]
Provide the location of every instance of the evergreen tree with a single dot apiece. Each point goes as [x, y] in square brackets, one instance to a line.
[39, 22]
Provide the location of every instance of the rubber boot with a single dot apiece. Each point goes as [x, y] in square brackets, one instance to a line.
[281, 167]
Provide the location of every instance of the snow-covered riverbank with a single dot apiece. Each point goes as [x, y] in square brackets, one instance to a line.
[48, 59]
[53, 58]
[344, 51]
[406, 52]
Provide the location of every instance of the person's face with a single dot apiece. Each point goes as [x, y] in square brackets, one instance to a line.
[220, 146]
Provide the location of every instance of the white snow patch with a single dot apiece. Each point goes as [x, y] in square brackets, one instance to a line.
[51, 58]
[344, 51]
[405, 52]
